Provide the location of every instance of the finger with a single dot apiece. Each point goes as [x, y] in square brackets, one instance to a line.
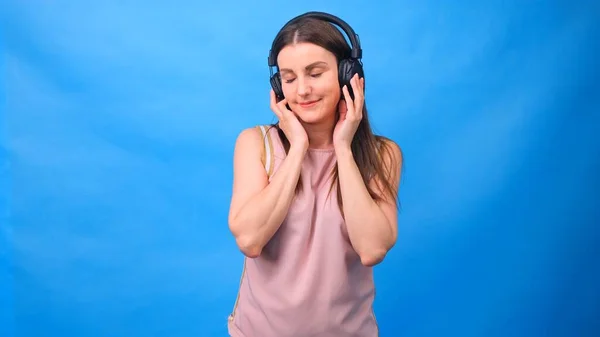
[356, 87]
[358, 83]
[349, 102]
[274, 105]
[359, 97]
[282, 106]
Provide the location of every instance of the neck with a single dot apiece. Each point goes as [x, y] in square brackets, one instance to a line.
[320, 136]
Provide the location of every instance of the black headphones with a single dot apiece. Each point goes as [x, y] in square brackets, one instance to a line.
[347, 67]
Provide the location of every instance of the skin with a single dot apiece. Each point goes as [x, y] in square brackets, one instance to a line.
[309, 74]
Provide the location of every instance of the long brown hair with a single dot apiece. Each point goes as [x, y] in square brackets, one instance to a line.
[368, 149]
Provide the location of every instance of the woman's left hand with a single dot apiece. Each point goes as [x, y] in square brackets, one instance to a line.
[351, 113]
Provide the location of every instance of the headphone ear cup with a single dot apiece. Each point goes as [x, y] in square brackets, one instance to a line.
[276, 85]
[347, 69]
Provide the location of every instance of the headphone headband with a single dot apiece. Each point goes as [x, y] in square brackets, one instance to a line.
[356, 52]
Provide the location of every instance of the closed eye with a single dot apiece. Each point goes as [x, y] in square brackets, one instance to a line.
[311, 75]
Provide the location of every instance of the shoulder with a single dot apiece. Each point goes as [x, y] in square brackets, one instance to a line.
[248, 141]
[257, 132]
[390, 153]
[253, 142]
[251, 136]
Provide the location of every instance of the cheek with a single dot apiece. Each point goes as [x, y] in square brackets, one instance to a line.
[334, 92]
[288, 89]
[334, 87]
[330, 88]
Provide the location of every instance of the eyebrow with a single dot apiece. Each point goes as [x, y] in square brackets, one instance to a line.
[308, 67]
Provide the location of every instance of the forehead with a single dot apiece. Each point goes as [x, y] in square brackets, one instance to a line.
[299, 55]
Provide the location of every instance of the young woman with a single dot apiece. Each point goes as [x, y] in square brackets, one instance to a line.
[314, 202]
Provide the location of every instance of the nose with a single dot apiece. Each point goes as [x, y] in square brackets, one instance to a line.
[303, 88]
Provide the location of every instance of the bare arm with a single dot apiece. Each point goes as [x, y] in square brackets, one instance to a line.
[258, 207]
[372, 226]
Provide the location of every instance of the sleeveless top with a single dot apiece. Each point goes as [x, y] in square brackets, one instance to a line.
[308, 280]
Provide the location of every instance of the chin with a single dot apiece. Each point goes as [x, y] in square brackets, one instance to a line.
[312, 115]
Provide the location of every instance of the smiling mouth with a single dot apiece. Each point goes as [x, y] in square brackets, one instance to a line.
[308, 104]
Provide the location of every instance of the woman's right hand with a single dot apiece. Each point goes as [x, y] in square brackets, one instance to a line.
[289, 123]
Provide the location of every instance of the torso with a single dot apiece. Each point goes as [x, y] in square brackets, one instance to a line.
[308, 281]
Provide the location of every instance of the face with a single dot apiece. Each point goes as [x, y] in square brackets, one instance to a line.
[309, 78]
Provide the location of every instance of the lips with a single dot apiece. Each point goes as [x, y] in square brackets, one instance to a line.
[307, 104]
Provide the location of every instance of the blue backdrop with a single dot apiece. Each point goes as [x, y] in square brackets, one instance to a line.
[118, 129]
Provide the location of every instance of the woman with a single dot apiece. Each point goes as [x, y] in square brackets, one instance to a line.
[314, 196]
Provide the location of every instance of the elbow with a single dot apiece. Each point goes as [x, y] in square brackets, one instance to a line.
[373, 258]
[247, 244]
[375, 255]
[374, 252]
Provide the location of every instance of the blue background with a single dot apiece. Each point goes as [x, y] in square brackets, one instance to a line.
[118, 125]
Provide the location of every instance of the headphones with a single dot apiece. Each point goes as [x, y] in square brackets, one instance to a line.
[347, 67]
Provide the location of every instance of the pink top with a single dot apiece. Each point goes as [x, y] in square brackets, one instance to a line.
[308, 281]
